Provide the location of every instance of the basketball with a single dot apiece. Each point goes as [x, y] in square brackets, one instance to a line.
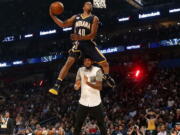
[57, 8]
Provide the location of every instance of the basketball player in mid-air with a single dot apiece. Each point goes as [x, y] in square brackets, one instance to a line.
[85, 26]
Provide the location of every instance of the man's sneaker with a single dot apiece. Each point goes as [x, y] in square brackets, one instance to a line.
[55, 89]
[109, 81]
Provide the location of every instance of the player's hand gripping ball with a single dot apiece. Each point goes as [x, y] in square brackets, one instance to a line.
[57, 8]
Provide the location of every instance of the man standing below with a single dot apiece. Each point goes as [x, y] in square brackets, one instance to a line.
[89, 79]
[7, 125]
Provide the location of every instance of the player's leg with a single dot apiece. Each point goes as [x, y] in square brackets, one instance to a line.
[101, 60]
[98, 57]
[81, 114]
[98, 113]
[74, 53]
[63, 73]
[109, 80]
[105, 66]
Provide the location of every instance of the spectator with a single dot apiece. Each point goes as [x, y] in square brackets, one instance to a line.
[176, 130]
[151, 118]
[162, 130]
[134, 130]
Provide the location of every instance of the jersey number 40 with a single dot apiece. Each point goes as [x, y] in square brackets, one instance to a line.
[82, 32]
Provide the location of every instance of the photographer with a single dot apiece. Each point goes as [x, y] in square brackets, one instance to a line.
[6, 124]
[134, 130]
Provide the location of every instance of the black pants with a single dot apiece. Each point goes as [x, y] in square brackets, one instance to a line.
[96, 112]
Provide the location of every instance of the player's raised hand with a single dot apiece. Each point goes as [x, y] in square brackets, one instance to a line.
[50, 12]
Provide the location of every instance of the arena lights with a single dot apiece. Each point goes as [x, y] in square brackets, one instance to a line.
[41, 82]
[49, 58]
[28, 35]
[31, 61]
[175, 10]
[110, 50]
[3, 64]
[152, 14]
[67, 29]
[133, 47]
[170, 42]
[8, 39]
[137, 73]
[42, 33]
[17, 62]
[124, 19]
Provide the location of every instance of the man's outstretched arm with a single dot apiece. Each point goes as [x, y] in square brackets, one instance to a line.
[69, 22]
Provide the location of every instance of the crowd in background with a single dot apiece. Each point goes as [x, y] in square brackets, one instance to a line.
[153, 108]
[144, 36]
[146, 106]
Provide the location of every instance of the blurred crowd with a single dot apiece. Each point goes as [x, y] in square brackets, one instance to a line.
[142, 36]
[151, 109]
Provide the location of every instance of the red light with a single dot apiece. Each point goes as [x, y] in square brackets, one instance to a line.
[41, 82]
[137, 73]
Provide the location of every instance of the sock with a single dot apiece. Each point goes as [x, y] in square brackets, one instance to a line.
[106, 76]
[59, 79]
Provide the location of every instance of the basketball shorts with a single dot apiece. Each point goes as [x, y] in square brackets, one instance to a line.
[86, 48]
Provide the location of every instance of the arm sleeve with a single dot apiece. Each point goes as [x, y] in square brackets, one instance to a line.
[99, 75]
[78, 76]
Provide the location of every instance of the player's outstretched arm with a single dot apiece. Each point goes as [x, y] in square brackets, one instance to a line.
[69, 22]
[90, 36]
